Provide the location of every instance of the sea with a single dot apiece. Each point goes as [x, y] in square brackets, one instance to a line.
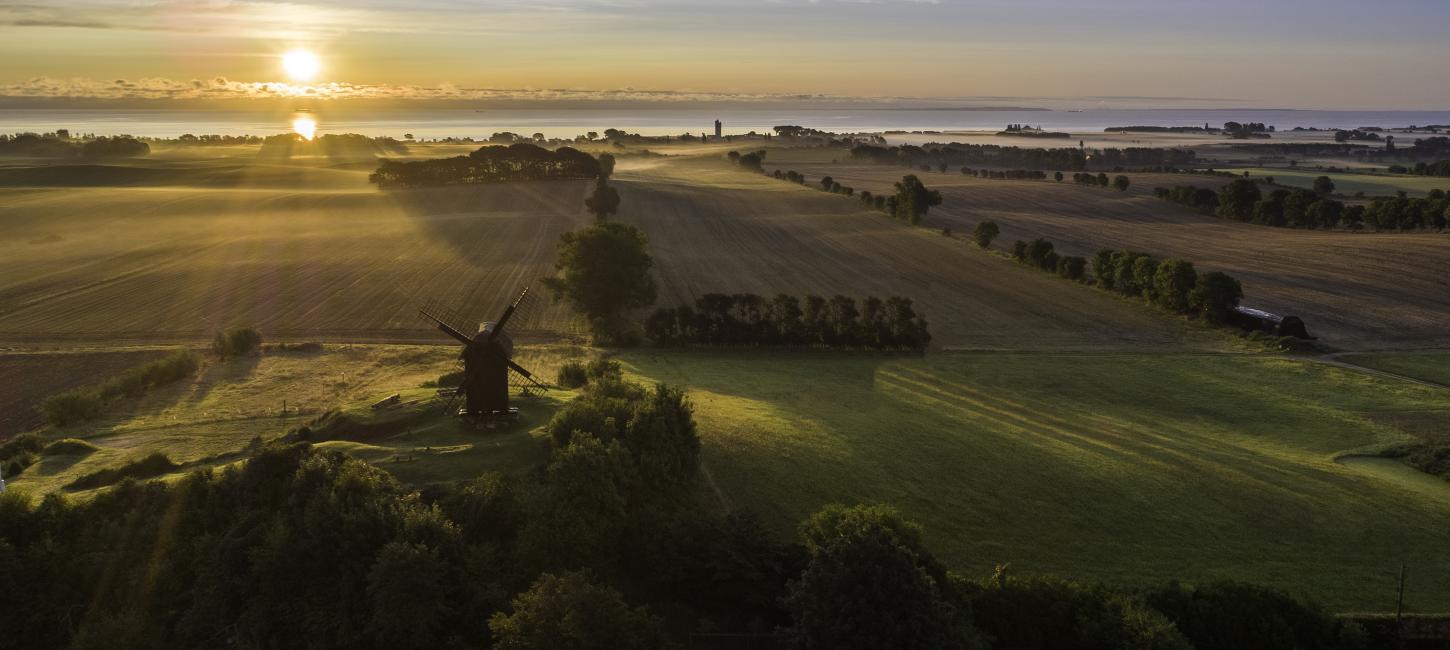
[569, 122]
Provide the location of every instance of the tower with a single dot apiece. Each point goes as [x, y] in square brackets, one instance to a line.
[717, 128]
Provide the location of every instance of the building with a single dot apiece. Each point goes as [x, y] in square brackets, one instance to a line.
[717, 128]
[1251, 319]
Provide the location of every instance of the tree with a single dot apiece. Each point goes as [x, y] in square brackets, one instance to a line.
[826, 183]
[913, 199]
[870, 583]
[569, 612]
[411, 604]
[604, 202]
[985, 232]
[1324, 186]
[1215, 296]
[604, 271]
[606, 166]
[1121, 183]
[1057, 176]
[1237, 199]
[1173, 282]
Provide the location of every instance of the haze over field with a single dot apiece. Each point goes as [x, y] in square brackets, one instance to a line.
[760, 324]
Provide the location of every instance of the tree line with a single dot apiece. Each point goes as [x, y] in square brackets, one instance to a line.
[747, 319]
[1244, 200]
[1441, 168]
[1120, 182]
[910, 201]
[1172, 284]
[1008, 174]
[520, 161]
[1068, 158]
[61, 145]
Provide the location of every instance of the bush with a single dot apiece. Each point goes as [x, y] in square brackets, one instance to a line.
[236, 342]
[81, 404]
[69, 447]
[1229, 615]
[985, 232]
[1215, 296]
[603, 369]
[19, 453]
[150, 466]
[571, 375]
[570, 611]
[72, 406]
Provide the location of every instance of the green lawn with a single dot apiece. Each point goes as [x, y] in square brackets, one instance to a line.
[1122, 468]
[1429, 366]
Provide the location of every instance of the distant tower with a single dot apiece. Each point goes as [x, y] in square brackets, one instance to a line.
[717, 128]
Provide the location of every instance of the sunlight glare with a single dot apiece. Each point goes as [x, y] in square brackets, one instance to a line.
[301, 65]
[305, 126]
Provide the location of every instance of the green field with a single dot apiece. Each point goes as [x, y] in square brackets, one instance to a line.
[1433, 366]
[1122, 468]
[1349, 184]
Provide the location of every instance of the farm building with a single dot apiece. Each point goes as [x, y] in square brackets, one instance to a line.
[1251, 319]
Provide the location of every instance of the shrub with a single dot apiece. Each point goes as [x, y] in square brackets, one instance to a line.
[448, 379]
[1173, 282]
[985, 232]
[571, 375]
[603, 369]
[150, 466]
[69, 447]
[72, 406]
[1072, 267]
[236, 342]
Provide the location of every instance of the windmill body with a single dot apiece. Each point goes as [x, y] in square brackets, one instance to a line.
[486, 372]
[488, 366]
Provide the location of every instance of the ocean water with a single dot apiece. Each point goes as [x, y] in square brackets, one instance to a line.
[672, 120]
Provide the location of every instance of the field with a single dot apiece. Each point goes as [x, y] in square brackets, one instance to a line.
[1053, 426]
[210, 420]
[1350, 184]
[310, 251]
[1354, 290]
[1121, 467]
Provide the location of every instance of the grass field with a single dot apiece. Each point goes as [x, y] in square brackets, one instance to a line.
[1349, 184]
[209, 421]
[1124, 468]
[1354, 290]
[1427, 365]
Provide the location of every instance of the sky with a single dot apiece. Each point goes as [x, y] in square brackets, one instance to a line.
[1333, 54]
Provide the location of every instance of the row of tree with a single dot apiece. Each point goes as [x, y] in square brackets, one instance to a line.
[489, 164]
[1069, 158]
[61, 145]
[1039, 253]
[1120, 182]
[909, 203]
[1244, 200]
[1441, 168]
[1009, 174]
[785, 320]
[1172, 284]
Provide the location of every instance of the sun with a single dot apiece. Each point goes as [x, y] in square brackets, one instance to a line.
[304, 125]
[301, 65]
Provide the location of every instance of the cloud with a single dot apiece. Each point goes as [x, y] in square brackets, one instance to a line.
[221, 88]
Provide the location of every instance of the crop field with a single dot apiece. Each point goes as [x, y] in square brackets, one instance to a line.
[716, 229]
[312, 252]
[1349, 184]
[299, 252]
[1354, 290]
[29, 378]
[1112, 467]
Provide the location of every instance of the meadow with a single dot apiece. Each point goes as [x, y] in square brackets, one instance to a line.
[1124, 468]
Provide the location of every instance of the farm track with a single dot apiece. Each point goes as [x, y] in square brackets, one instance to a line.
[1355, 290]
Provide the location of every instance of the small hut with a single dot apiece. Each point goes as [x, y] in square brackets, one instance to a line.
[1251, 319]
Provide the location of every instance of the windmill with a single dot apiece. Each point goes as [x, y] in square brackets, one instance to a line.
[488, 367]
